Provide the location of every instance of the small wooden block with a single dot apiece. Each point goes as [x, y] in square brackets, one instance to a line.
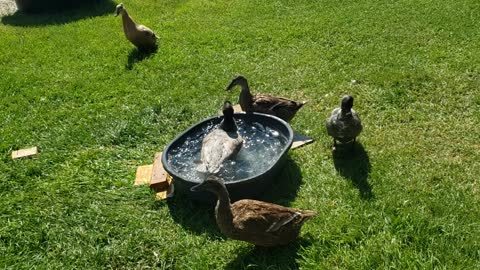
[27, 152]
[156, 177]
[300, 140]
[144, 174]
[158, 181]
[162, 195]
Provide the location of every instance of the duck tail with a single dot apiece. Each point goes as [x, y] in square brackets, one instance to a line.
[202, 168]
[308, 213]
[300, 104]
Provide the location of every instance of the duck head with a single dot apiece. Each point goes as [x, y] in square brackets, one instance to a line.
[239, 80]
[212, 184]
[228, 123]
[347, 103]
[119, 9]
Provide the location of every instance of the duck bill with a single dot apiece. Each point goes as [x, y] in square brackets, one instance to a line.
[230, 86]
[116, 13]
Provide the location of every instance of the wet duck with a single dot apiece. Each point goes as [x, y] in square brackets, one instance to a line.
[221, 144]
[141, 36]
[278, 106]
[260, 223]
[344, 124]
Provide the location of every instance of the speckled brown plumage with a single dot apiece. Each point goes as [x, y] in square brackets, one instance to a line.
[260, 223]
[281, 107]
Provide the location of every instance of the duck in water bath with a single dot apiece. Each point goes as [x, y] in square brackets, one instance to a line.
[221, 144]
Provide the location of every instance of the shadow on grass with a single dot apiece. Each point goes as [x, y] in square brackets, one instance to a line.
[284, 190]
[284, 257]
[192, 216]
[352, 162]
[59, 15]
[199, 218]
[137, 55]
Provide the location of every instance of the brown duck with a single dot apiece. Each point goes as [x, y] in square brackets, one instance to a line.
[260, 223]
[220, 144]
[139, 35]
[278, 106]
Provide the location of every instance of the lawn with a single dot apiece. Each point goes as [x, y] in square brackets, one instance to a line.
[72, 85]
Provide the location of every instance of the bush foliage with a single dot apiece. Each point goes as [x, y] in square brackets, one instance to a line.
[50, 5]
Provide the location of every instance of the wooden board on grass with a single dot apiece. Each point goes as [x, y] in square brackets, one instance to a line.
[27, 152]
[155, 176]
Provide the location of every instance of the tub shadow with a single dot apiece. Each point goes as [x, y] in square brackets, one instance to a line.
[353, 163]
[137, 55]
[286, 187]
[284, 257]
[199, 218]
[193, 216]
[61, 15]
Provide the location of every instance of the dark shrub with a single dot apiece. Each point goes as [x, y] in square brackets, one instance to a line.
[50, 5]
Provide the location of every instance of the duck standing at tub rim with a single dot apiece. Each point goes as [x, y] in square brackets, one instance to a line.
[344, 125]
[260, 223]
[139, 35]
[221, 144]
[281, 107]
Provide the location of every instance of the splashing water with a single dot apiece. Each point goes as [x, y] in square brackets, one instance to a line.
[262, 146]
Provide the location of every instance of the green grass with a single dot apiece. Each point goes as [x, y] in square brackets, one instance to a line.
[73, 86]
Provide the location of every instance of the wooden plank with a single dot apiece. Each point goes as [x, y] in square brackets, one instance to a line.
[300, 140]
[27, 152]
[162, 195]
[156, 177]
[158, 181]
[143, 175]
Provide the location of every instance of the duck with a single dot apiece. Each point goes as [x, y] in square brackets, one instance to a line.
[139, 35]
[221, 144]
[344, 125]
[281, 107]
[260, 223]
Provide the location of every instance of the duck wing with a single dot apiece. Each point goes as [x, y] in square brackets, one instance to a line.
[269, 102]
[145, 29]
[344, 127]
[333, 123]
[265, 218]
[279, 106]
[147, 33]
[355, 125]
